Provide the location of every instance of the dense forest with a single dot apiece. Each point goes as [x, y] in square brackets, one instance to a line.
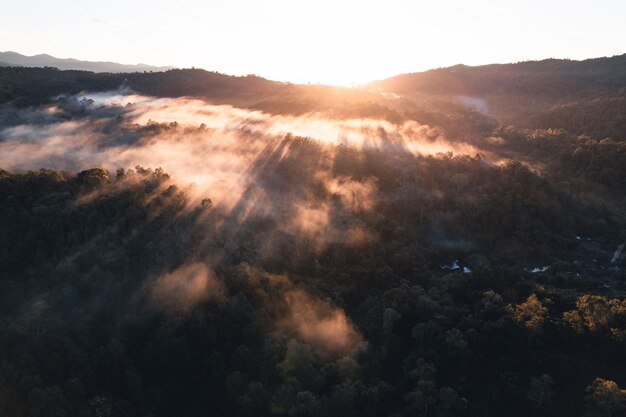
[187, 243]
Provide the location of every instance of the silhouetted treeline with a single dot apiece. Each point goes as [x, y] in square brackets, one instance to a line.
[35, 86]
[583, 97]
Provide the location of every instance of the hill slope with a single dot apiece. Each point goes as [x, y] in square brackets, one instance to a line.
[535, 94]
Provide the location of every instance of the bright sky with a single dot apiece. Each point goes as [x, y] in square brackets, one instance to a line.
[328, 41]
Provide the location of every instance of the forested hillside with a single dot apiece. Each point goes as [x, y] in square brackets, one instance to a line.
[580, 96]
[33, 86]
[188, 243]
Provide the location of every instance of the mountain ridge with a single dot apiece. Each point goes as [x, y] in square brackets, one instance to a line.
[11, 58]
[466, 100]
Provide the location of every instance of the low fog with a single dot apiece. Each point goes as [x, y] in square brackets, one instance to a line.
[190, 139]
[239, 167]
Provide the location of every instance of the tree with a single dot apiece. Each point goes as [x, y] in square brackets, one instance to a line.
[605, 399]
[530, 314]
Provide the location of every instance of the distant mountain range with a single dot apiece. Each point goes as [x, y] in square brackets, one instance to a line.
[583, 97]
[547, 78]
[586, 96]
[13, 59]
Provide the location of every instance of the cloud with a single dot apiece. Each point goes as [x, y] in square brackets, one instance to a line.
[183, 288]
[319, 323]
[294, 312]
[188, 138]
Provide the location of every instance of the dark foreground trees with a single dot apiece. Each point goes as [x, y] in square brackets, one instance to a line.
[114, 302]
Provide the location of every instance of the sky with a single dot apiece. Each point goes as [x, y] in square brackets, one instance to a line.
[347, 42]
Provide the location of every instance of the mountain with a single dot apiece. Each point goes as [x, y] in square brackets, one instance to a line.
[545, 78]
[580, 96]
[44, 60]
[32, 86]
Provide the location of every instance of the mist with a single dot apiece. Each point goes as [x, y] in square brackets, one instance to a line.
[190, 139]
[283, 175]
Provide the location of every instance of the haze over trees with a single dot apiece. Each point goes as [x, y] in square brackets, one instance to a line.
[187, 243]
